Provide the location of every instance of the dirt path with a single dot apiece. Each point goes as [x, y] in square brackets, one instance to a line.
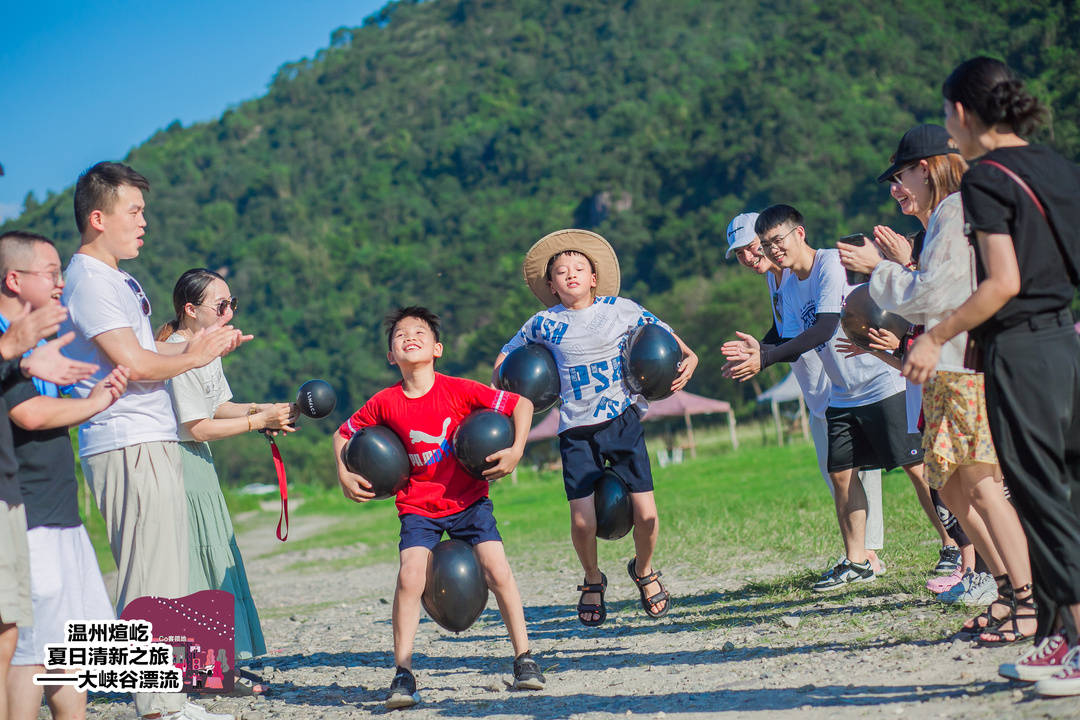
[726, 650]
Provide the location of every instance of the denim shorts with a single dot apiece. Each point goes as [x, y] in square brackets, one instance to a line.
[474, 525]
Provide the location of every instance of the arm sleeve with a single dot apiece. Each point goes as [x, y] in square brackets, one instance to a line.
[944, 278]
[10, 372]
[94, 307]
[19, 391]
[479, 396]
[772, 337]
[188, 397]
[519, 339]
[988, 202]
[364, 417]
[819, 333]
[637, 315]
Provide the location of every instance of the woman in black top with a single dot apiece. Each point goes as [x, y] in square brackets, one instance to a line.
[1015, 196]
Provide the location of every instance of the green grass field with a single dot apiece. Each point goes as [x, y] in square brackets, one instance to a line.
[760, 505]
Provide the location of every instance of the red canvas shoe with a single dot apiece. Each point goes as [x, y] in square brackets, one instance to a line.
[1064, 682]
[1042, 661]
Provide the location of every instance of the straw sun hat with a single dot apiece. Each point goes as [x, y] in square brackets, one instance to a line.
[589, 244]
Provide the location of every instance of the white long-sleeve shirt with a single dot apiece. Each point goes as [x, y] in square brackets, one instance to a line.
[944, 280]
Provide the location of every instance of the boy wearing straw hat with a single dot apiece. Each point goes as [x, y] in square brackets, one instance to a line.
[575, 274]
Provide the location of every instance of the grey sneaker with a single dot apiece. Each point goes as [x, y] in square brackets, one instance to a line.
[402, 690]
[948, 560]
[974, 589]
[844, 573]
[527, 675]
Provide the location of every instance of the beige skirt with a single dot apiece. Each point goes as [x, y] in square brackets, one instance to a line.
[956, 430]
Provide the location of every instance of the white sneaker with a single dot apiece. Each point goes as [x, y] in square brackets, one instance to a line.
[191, 711]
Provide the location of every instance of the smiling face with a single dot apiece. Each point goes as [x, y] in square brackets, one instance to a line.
[572, 279]
[753, 257]
[39, 281]
[413, 343]
[205, 313]
[911, 190]
[780, 240]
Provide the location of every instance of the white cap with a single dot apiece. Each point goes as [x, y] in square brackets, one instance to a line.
[740, 232]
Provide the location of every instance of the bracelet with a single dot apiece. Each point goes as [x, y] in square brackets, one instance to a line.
[249, 423]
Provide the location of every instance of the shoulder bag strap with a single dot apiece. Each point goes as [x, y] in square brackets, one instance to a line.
[1042, 211]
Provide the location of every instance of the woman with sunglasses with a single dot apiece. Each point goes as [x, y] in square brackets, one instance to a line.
[1022, 210]
[205, 411]
[961, 463]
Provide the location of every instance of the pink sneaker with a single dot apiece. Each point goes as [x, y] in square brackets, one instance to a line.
[1042, 661]
[941, 584]
[1065, 681]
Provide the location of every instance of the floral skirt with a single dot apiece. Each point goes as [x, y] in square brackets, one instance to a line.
[956, 430]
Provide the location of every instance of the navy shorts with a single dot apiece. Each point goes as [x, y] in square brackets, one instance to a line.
[619, 442]
[872, 436]
[474, 525]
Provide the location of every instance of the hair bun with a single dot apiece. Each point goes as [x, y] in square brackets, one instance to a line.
[1016, 107]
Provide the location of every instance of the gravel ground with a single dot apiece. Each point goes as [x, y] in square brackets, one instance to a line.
[727, 649]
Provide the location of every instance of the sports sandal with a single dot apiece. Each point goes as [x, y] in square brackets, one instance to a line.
[986, 621]
[1009, 630]
[647, 603]
[587, 609]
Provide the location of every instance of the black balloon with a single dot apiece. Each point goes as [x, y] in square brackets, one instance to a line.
[316, 399]
[480, 434]
[651, 361]
[456, 593]
[530, 370]
[376, 454]
[860, 313]
[614, 509]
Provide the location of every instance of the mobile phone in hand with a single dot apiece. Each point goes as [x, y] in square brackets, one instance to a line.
[855, 278]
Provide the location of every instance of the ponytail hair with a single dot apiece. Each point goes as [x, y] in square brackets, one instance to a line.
[988, 88]
[190, 288]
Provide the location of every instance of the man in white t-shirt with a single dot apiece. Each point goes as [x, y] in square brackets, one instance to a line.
[130, 453]
[866, 417]
[744, 243]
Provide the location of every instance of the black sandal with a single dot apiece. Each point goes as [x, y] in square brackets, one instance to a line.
[590, 609]
[986, 621]
[1009, 629]
[648, 602]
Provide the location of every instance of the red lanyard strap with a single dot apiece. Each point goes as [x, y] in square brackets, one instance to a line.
[283, 489]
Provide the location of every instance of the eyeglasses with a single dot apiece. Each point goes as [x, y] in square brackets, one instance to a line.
[56, 275]
[135, 288]
[773, 242]
[220, 307]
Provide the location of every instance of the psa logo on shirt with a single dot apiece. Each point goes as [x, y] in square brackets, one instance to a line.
[809, 315]
[430, 457]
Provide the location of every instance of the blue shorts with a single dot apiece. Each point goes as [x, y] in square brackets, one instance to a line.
[474, 525]
[619, 442]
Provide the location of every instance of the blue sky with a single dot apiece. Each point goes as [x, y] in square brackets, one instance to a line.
[87, 81]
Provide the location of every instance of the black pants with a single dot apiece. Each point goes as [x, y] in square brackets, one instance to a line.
[1033, 405]
[952, 525]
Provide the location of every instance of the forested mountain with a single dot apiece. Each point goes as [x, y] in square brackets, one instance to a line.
[416, 158]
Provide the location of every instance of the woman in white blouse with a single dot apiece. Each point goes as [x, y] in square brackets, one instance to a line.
[961, 464]
[205, 411]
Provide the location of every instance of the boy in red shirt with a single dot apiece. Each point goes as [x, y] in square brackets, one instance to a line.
[423, 410]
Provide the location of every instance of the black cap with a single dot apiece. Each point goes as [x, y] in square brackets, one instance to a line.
[921, 141]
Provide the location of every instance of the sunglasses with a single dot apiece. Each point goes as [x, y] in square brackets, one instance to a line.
[135, 288]
[220, 307]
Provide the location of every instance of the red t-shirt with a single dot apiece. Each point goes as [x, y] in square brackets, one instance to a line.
[438, 484]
